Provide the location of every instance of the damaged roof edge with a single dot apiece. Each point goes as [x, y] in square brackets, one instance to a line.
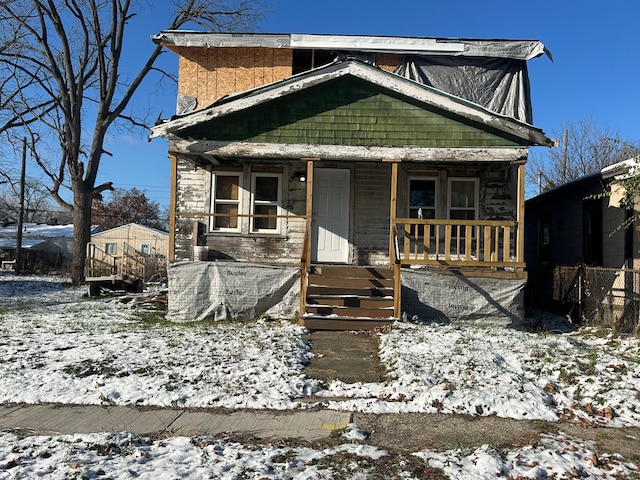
[514, 49]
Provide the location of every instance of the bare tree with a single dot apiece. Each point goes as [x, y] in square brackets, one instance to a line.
[584, 148]
[62, 84]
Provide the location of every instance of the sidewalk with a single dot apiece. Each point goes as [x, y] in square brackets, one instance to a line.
[308, 425]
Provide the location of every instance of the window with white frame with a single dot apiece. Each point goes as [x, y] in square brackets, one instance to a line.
[145, 248]
[226, 201]
[265, 202]
[111, 248]
[422, 197]
[463, 198]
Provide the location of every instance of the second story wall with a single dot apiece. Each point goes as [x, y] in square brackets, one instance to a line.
[208, 74]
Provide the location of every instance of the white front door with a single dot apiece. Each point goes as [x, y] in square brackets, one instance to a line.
[330, 233]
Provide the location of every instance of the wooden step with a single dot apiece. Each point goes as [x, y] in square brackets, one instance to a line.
[344, 312]
[345, 297]
[351, 271]
[350, 301]
[314, 322]
[350, 282]
[335, 290]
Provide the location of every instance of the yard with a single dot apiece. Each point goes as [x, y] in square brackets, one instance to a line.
[59, 346]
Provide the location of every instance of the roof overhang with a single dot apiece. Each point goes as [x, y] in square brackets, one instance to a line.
[495, 48]
[400, 85]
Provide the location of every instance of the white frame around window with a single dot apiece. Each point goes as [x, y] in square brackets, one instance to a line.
[213, 225]
[145, 246]
[277, 203]
[111, 248]
[476, 199]
[435, 199]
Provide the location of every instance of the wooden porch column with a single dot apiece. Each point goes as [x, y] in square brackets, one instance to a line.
[520, 213]
[172, 208]
[305, 261]
[392, 206]
[397, 284]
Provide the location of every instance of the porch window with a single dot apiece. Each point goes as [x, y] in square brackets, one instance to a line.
[111, 248]
[225, 201]
[422, 197]
[265, 200]
[463, 198]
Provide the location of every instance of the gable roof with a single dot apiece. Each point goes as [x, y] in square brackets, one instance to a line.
[416, 92]
[136, 225]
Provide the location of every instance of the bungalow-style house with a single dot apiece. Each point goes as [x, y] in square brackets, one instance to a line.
[149, 241]
[571, 225]
[350, 180]
[124, 257]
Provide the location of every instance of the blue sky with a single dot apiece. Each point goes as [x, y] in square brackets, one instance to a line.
[594, 73]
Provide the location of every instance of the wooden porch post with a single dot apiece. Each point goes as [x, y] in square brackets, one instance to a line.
[172, 208]
[306, 243]
[397, 284]
[392, 207]
[520, 213]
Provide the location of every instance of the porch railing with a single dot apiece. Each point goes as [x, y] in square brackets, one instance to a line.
[463, 243]
[102, 264]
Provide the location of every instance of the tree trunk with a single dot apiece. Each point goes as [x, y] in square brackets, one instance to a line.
[81, 234]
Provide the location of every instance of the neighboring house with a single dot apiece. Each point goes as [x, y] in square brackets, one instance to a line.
[567, 226]
[44, 246]
[148, 241]
[124, 257]
[348, 179]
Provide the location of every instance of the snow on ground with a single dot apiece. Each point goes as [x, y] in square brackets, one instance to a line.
[58, 346]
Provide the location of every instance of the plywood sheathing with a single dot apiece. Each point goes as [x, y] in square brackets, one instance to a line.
[389, 61]
[211, 73]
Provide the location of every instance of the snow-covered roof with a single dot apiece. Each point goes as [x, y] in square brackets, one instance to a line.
[41, 230]
[621, 170]
[8, 244]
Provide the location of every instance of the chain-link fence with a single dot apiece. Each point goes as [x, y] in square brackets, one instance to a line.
[600, 296]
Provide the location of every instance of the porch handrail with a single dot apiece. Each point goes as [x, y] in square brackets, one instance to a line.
[102, 264]
[473, 243]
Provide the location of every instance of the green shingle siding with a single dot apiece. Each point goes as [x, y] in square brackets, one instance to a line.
[348, 111]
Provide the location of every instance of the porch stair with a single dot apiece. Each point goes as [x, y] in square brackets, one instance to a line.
[349, 297]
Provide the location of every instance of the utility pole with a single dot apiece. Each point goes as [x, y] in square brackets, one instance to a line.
[564, 156]
[19, 260]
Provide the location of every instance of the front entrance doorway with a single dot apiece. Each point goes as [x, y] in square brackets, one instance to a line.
[330, 231]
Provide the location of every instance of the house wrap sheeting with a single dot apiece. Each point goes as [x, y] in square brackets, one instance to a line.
[203, 290]
[498, 84]
[430, 296]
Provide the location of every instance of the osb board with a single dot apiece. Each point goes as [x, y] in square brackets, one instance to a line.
[389, 61]
[210, 73]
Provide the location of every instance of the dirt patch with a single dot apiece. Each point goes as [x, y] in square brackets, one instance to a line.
[412, 432]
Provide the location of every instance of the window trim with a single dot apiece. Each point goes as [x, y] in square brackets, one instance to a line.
[148, 245]
[115, 248]
[254, 202]
[214, 201]
[476, 182]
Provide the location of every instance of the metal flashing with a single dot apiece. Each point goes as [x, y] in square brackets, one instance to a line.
[497, 48]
